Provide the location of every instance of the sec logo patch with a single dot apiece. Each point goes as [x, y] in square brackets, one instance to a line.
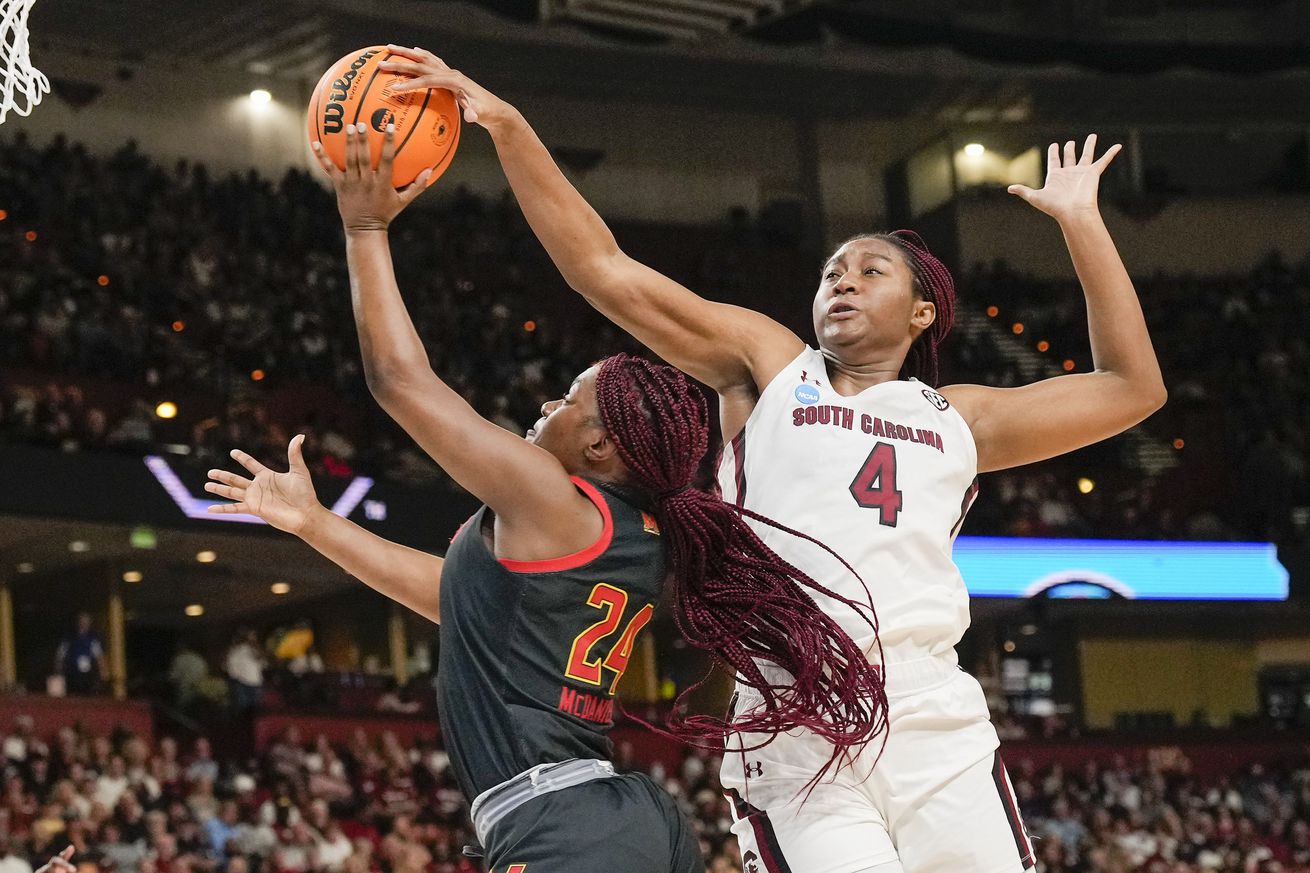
[936, 399]
[807, 394]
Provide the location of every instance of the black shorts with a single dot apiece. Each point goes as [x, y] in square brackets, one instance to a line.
[624, 822]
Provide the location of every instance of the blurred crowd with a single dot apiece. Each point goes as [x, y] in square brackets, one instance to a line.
[1160, 818]
[370, 805]
[374, 804]
[132, 282]
[128, 283]
[1235, 351]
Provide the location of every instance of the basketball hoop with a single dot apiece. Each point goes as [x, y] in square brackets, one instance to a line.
[21, 85]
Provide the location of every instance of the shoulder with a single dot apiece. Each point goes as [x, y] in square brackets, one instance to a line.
[969, 400]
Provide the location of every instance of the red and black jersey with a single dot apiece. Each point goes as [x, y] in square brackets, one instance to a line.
[531, 652]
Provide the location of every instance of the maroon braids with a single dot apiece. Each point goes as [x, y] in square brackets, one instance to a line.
[733, 596]
[932, 282]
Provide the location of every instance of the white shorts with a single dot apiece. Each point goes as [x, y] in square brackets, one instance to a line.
[938, 800]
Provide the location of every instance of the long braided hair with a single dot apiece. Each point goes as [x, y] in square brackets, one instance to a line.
[733, 596]
[932, 282]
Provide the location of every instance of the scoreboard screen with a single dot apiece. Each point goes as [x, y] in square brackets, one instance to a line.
[1124, 569]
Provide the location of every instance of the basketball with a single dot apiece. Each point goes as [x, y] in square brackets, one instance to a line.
[354, 89]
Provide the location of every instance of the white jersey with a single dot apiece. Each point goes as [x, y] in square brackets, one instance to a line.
[883, 478]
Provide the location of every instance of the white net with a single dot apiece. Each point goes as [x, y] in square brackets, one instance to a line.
[21, 85]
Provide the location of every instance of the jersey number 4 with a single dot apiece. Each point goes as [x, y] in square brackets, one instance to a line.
[874, 487]
[614, 601]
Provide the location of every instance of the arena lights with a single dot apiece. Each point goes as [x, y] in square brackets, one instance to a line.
[1068, 365]
[529, 325]
[179, 326]
[280, 588]
[102, 280]
[30, 236]
[1085, 485]
[1043, 346]
[975, 150]
[142, 537]
[1178, 444]
[257, 375]
[208, 556]
[166, 409]
[1017, 328]
[26, 567]
[133, 576]
[3, 215]
[260, 97]
[993, 311]
[1009, 645]
[79, 546]
[194, 610]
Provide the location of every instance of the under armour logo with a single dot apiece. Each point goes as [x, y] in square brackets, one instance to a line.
[748, 859]
[754, 768]
[805, 377]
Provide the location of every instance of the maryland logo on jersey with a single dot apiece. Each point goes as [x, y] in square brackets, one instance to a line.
[649, 524]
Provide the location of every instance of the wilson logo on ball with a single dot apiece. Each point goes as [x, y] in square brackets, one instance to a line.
[334, 112]
[357, 89]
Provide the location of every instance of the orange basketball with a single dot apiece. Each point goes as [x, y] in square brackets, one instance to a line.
[354, 90]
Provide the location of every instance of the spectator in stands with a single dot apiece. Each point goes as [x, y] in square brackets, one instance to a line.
[202, 764]
[80, 659]
[186, 674]
[245, 671]
[11, 862]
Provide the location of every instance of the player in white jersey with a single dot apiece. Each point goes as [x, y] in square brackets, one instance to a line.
[838, 443]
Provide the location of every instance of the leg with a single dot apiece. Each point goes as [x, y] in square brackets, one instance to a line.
[783, 827]
[946, 792]
[622, 823]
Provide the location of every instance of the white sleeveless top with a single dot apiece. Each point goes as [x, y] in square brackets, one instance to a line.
[883, 478]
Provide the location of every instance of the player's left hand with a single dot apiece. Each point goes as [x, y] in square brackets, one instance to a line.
[1071, 182]
[365, 197]
[61, 863]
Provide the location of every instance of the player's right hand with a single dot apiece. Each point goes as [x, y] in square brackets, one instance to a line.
[61, 863]
[284, 500]
[429, 71]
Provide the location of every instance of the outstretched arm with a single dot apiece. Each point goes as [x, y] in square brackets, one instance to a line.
[1014, 426]
[287, 501]
[726, 347]
[540, 514]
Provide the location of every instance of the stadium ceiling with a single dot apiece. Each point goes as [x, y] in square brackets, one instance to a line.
[1032, 61]
[46, 571]
[1119, 36]
[673, 19]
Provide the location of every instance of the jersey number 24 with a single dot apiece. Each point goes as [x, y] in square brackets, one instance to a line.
[587, 669]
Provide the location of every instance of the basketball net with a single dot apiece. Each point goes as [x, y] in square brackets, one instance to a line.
[21, 85]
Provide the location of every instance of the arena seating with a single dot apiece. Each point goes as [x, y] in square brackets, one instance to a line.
[227, 297]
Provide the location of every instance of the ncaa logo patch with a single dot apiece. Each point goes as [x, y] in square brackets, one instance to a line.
[807, 394]
[936, 399]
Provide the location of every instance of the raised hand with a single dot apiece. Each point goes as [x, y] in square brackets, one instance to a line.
[429, 71]
[61, 863]
[365, 197]
[284, 500]
[1071, 184]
